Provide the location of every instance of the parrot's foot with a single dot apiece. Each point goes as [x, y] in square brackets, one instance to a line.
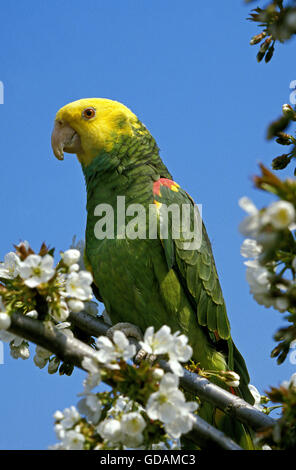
[132, 331]
[143, 355]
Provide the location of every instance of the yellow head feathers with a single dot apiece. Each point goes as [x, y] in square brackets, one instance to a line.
[87, 126]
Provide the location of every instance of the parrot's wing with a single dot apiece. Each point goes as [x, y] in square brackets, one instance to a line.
[190, 255]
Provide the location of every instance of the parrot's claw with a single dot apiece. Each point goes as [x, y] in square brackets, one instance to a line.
[143, 355]
[132, 331]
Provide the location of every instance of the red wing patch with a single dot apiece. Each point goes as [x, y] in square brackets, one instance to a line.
[217, 335]
[164, 182]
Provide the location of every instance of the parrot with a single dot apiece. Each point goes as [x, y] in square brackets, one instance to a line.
[149, 281]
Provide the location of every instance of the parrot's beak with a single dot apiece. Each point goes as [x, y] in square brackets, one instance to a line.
[64, 139]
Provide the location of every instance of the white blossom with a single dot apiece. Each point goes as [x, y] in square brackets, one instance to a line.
[163, 342]
[179, 351]
[259, 282]
[36, 270]
[73, 440]
[74, 268]
[80, 246]
[110, 351]
[122, 405]
[78, 285]
[10, 268]
[290, 383]
[281, 304]
[252, 223]
[58, 415]
[5, 320]
[59, 312]
[71, 256]
[232, 379]
[169, 406]
[59, 430]
[280, 214]
[157, 343]
[287, 109]
[110, 430]
[257, 396]
[75, 305]
[164, 403]
[71, 417]
[266, 447]
[32, 314]
[93, 378]
[158, 373]
[183, 420]
[250, 248]
[133, 424]
[131, 442]
[90, 406]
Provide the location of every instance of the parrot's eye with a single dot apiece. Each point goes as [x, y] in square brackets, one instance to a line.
[88, 113]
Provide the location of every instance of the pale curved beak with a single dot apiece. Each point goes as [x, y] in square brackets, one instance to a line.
[64, 139]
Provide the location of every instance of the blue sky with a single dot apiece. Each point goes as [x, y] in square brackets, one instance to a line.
[187, 70]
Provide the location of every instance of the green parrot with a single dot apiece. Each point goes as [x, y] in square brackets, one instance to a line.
[148, 280]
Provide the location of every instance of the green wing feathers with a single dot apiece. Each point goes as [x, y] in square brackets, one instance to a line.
[197, 273]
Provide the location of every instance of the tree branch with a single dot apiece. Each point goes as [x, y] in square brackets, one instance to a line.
[192, 382]
[73, 351]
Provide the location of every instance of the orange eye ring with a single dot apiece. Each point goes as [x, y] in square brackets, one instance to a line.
[88, 113]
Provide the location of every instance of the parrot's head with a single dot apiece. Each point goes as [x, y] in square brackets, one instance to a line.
[89, 126]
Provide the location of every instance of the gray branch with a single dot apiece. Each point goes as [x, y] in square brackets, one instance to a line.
[192, 382]
[73, 351]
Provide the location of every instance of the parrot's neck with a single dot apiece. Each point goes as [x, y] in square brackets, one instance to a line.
[130, 173]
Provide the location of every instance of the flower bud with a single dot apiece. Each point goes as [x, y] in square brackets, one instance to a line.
[74, 268]
[32, 314]
[287, 110]
[71, 256]
[75, 305]
[283, 138]
[58, 415]
[158, 373]
[5, 321]
[231, 378]
[53, 365]
[258, 38]
[266, 44]
[280, 162]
